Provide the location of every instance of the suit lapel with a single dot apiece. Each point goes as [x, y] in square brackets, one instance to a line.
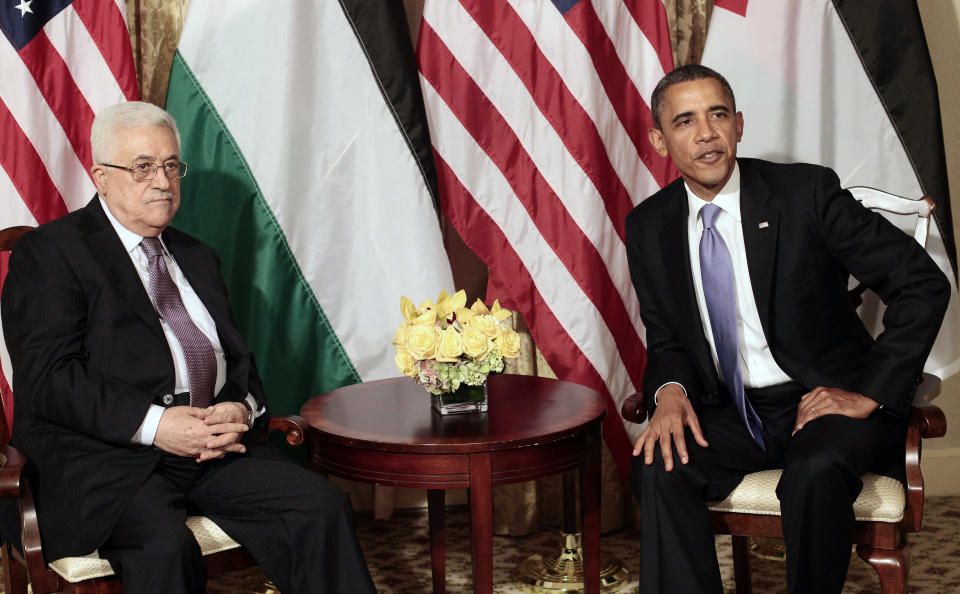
[761, 228]
[675, 247]
[190, 260]
[106, 247]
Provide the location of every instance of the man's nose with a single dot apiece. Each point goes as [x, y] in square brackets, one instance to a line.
[706, 130]
[160, 180]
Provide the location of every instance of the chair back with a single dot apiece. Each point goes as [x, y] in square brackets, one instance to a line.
[8, 238]
[875, 199]
[878, 200]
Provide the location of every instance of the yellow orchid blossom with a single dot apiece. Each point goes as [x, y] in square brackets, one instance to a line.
[407, 308]
[498, 312]
[479, 308]
[447, 304]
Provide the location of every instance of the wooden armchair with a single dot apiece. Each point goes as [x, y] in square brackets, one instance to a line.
[886, 510]
[90, 573]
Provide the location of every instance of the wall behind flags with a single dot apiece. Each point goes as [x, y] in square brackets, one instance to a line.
[941, 24]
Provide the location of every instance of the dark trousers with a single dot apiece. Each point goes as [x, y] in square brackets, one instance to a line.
[821, 480]
[298, 527]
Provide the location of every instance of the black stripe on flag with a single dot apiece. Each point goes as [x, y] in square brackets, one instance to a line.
[381, 29]
[888, 36]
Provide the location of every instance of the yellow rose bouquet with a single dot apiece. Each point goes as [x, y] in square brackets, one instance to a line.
[445, 345]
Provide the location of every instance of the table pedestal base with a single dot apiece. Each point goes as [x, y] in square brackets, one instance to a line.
[563, 572]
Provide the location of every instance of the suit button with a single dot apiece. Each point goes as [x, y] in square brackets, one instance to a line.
[167, 399]
[710, 396]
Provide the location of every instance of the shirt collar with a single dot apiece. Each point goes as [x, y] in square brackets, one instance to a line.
[728, 198]
[129, 239]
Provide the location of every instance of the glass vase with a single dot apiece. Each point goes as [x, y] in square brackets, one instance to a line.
[464, 399]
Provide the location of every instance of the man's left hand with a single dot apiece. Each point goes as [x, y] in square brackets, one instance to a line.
[832, 401]
[226, 414]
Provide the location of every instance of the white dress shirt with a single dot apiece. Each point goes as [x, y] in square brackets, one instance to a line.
[195, 309]
[758, 369]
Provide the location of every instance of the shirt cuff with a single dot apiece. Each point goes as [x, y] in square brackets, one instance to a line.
[148, 428]
[657, 393]
[255, 412]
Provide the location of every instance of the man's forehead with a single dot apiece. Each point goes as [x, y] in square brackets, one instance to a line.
[702, 93]
[143, 141]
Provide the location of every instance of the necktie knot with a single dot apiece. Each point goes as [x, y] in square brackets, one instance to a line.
[709, 214]
[151, 246]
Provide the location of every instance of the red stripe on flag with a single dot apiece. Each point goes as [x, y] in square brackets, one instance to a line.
[27, 171]
[7, 394]
[61, 92]
[577, 130]
[651, 17]
[631, 108]
[491, 132]
[486, 238]
[106, 26]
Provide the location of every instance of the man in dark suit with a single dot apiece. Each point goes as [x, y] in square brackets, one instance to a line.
[135, 393]
[756, 358]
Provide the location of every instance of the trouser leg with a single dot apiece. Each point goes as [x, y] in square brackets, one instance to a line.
[296, 524]
[820, 482]
[151, 548]
[678, 553]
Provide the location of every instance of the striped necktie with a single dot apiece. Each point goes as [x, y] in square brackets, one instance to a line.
[716, 270]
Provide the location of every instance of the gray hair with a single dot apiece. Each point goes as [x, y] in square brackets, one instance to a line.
[131, 114]
[682, 74]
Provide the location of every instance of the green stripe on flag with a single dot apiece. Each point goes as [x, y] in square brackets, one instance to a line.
[297, 351]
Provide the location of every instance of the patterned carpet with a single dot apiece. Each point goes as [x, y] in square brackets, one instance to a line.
[397, 552]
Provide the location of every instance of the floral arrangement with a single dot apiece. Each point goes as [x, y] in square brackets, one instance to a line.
[445, 344]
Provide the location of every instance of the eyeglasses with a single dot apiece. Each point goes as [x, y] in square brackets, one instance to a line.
[147, 171]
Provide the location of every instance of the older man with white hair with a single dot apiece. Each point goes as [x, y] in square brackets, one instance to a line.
[136, 396]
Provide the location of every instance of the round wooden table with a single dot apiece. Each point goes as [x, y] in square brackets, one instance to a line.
[385, 432]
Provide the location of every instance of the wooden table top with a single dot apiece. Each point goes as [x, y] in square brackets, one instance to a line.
[395, 415]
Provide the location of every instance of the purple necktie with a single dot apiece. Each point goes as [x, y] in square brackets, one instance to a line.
[716, 271]
[201, 362]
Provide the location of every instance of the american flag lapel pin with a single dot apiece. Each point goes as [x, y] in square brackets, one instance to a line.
[764, 225]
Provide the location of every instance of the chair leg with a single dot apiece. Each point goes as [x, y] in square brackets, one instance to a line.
[892, 565]
[14, 574]
[741, 564]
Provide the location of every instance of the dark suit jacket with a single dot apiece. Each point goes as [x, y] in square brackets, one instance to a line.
[799, 264]
[89, 357]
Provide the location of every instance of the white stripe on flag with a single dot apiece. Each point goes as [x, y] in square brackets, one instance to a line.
[70, 37]
[19, 92]
[638, 55]
[15, 212]
[565, 52]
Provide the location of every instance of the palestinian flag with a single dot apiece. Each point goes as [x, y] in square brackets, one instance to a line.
[311, 174]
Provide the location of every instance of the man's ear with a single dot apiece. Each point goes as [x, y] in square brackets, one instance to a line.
[656, 139]
[99, 174]
[739, 120]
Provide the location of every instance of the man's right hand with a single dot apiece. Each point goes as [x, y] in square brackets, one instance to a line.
[183, 431]
[673, 414]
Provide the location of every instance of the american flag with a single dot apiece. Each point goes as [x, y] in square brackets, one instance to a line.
[61, 63]
[538, 116]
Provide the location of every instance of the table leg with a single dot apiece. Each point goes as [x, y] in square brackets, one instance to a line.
[438, 538]
[590, 513]
[481, 521]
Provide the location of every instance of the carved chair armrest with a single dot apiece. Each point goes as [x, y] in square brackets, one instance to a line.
[10, 472]
[294, 426]
[634, 408]
[926, 421]
[928, 417]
